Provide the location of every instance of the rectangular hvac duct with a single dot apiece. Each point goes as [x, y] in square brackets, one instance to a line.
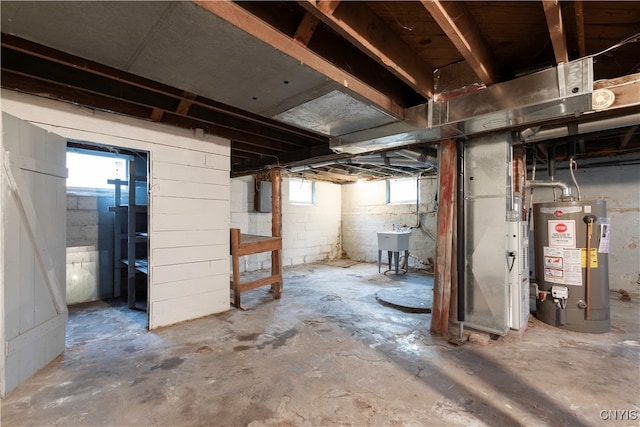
[546, 95]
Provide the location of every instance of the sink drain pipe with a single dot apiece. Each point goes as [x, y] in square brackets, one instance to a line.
[460, 241]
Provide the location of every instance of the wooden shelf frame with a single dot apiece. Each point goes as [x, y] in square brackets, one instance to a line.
[249, 244]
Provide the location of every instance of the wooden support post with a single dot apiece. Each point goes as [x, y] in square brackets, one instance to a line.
[276, 228]
[444, 242]
[235, 242]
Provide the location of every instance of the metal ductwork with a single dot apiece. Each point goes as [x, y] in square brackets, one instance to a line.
[544, 134]
[545, 95]
[400, 158]
[418, 157]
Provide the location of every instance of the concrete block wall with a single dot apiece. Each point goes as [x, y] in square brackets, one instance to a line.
[309, 233]
[619, 186]
[365, 211]
[89, 246]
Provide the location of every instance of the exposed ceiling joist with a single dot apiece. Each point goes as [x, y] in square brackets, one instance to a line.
[460, 27]
[253, 149]
[627, 137]
[556, 30]
[247, 22]
[156, 115]
[336, 177]
[283, 159]
[327, 6]
[579, 14]
[185, 104]
[306, 28]
[76, 76]
[368, 32]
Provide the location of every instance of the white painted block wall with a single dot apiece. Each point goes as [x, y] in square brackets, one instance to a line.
[309, 233]
[189, 206]
[365, 212]
[619, 186]
[89, 246]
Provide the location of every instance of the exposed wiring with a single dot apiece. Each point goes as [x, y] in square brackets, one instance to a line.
[513, 261]
[630, 39]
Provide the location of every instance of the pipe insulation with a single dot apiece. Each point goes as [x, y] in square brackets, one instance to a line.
[418, 157]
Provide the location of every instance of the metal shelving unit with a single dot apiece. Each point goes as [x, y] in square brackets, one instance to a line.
[129, 228]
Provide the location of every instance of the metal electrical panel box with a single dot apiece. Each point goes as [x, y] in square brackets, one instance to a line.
[263, 202]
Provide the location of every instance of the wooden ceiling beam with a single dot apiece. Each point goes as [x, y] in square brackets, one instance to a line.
[307, 155]
[328, 6]
[237, 146]
[236, 155]
[460, 27]
[259, 29]
[156, 115]
[335, 176]
[556, 30]
[185, 103]
[306, 28]
[579, 14]
[359, 25]
[627, 136]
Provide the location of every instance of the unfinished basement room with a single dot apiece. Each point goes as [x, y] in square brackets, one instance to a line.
[320, 213]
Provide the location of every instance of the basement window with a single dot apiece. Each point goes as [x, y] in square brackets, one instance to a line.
[92, 169]
[402, 190]
[301, 192]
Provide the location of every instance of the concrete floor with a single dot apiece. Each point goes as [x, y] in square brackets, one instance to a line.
[329, 354]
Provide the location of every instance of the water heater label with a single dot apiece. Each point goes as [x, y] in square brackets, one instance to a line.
[562, 233]
[562, 266]
[605, 238]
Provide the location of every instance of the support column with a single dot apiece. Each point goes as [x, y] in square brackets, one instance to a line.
[276, 228]
[444, 241]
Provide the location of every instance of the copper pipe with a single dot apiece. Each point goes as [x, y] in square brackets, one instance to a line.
[589, 219]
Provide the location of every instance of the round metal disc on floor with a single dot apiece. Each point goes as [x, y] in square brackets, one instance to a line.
[412, 299]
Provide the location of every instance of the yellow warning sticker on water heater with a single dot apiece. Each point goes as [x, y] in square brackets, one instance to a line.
[594, 257]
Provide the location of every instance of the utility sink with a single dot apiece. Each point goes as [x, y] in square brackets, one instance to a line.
[395, 241]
